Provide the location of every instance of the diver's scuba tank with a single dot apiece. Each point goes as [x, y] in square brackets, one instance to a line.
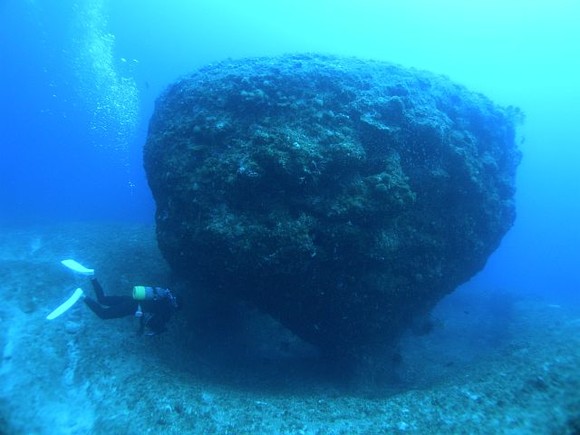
[144, 293]
[141, 293]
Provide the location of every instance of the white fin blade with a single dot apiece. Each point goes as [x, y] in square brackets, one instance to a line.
[77, 267]
[66, 305]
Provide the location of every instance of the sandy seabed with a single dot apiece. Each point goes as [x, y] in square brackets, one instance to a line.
[495, 363]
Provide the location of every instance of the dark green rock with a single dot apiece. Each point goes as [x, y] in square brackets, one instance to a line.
[343, 197]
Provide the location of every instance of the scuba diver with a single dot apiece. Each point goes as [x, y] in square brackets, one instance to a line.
[154, 306]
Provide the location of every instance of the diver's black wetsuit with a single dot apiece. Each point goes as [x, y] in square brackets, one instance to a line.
[155, 313]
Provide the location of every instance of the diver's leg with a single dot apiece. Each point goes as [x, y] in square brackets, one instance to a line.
[98, 289]
[127, 307]
[106, 300]
[96, 308]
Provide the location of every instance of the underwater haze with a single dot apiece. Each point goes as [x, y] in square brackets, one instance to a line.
[78, 84]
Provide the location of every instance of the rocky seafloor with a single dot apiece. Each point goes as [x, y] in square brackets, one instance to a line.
[495, 362]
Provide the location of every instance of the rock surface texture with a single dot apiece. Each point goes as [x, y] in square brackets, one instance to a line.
[343, 197]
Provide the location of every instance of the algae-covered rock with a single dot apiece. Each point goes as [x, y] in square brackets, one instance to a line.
[343, 197]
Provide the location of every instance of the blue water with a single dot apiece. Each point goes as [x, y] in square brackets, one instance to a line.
[78, 80]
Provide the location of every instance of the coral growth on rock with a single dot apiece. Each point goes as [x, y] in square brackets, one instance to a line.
[343, 197]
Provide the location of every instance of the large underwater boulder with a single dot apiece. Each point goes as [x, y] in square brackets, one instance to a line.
[343, 197]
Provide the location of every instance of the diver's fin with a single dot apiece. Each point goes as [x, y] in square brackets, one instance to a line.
[66, 305]
[78, 267]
